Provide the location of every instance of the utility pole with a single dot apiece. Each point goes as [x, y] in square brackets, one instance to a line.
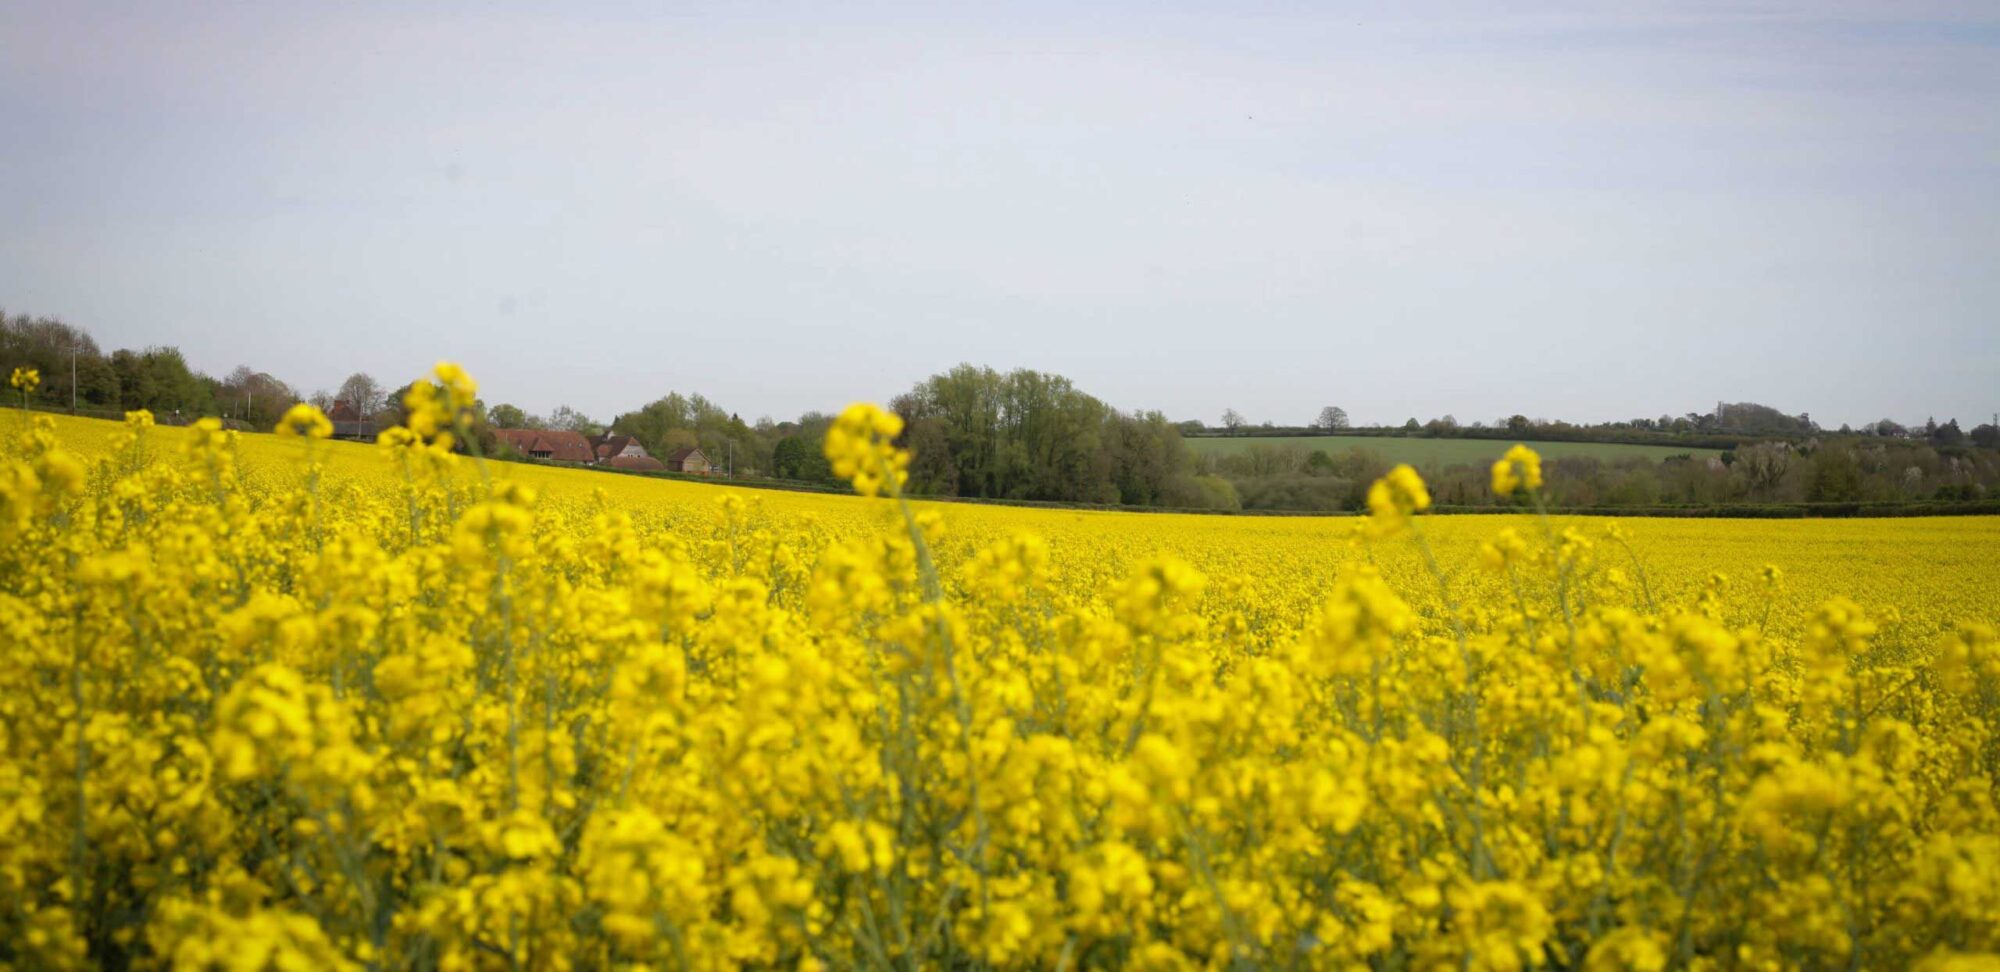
[72, 374]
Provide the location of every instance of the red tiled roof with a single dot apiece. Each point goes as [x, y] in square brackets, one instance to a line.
[611, 445]
[549, 444]
[522, 440]
[569, 446]
[636, 463]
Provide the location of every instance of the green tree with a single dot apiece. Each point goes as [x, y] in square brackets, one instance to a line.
[505, 416]
[567, 419]
[1750, 417]
[1146, 453]
[159, 380]
[1032, 435]
[73, 369]
[1763, 467]
[1836, 477]
[795, 457]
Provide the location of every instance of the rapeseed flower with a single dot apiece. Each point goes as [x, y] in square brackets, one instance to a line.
[391, 708]
[306, 421]
[1394, 498]
[861, 446]
[1519, 469]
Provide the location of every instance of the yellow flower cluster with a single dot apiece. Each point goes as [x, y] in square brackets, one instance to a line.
[1394, 498]
[25, 378]
[1519, 469]
[305, 420]
[275, 702]
[860, 446]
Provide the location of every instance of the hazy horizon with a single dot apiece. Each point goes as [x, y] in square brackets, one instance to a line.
[1587, 212]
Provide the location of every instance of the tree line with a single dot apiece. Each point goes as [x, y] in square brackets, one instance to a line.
[790, 450]
[78, 374]
[974, 432]
[1027, 435]
[1728, 426]
[1831, 469]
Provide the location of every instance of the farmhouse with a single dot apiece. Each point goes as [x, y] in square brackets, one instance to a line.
[348, 423]
[609, 446]
[624, 452]
[609, 450]
[688, 459]
[551, 444]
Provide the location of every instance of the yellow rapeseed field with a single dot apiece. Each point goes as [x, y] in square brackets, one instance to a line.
[283, 702]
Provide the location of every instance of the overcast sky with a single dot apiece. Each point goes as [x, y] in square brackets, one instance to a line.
[1591, 212]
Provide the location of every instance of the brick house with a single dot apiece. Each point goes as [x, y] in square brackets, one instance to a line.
[348, 422]
[624, 452]
[610, 446]
[551, 444]
[610, 450]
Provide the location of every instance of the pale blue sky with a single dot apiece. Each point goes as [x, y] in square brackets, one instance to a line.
[1590, 211]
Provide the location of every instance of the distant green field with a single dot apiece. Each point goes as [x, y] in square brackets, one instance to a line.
[1444, 452]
